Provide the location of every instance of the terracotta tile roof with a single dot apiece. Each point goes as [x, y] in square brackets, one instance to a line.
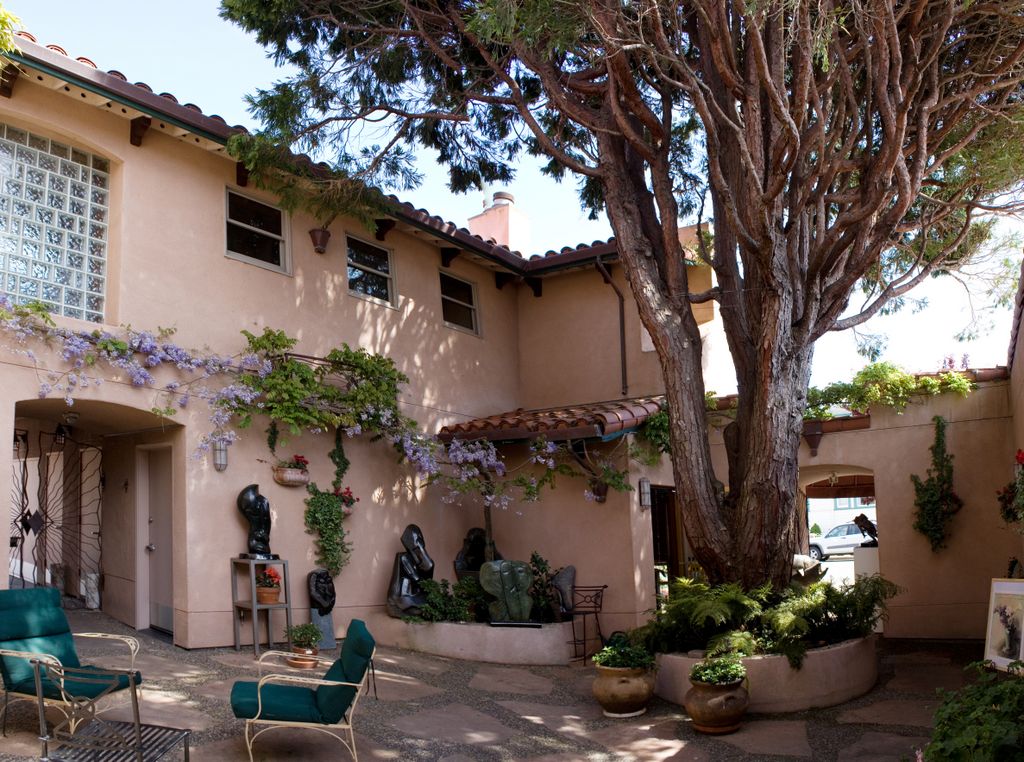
[55, 61]
[596, 419]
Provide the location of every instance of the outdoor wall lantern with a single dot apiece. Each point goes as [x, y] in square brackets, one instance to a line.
[220, 455]
[645, 493]
[61, 434]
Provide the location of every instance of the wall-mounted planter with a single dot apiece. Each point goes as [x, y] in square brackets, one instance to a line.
[291, 477]
[829, 676]
[320, 237]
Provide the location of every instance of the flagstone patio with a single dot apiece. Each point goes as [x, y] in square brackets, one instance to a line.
[429, 708]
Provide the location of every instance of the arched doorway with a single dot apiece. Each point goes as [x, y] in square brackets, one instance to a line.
[834, 496]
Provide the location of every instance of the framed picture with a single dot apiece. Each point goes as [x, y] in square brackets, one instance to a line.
[1005, 622]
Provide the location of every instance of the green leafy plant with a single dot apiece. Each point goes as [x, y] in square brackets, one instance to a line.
[935, 498]
[815, 529]
[326, 512]
[547, 606]
[727, 619]
[882, 384]
[982, 722]
[443, 604]
[304, 635]
[622, 654]
[719, 670]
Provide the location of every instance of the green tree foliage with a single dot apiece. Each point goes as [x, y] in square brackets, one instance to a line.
[839, 147]
[936, 501]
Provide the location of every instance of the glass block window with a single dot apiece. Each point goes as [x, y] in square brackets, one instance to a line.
[458, 303]
[54, 217]
[369, 270]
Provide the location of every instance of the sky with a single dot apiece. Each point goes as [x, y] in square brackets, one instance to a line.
[186, 49]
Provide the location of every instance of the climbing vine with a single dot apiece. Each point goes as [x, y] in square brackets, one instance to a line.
[935, 499]
[326, 512]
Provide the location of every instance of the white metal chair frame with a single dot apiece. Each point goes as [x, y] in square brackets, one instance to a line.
[60, 704]
[344, 724]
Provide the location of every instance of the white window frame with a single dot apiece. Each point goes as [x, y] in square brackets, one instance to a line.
[392, 300]
[475, 307]
[286, 262]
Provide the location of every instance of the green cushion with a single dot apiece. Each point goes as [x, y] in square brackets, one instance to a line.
[86, 689]
[350, 667]
[32, 620]
[288, 703]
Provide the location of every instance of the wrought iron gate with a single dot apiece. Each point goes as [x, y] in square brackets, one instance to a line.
[56, 515]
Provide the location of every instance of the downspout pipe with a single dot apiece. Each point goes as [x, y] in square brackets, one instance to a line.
[607, 276]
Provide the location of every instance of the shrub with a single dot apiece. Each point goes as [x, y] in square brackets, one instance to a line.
[304, 635]
[983, 721]
[623, 654]
[727, 619]
[721, 670]
[449, 604]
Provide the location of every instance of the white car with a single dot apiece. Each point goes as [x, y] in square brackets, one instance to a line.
[841, 539]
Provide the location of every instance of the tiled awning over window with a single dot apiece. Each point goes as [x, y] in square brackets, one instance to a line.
[596, 419]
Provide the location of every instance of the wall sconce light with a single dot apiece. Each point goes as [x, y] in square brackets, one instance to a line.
[220, 455]
[320, 237]
[20, 437]
[60, 436]
[645, 493]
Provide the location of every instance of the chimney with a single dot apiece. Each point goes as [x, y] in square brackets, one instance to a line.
[504, 223]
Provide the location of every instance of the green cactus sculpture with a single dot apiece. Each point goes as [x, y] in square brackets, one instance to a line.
[509, 582]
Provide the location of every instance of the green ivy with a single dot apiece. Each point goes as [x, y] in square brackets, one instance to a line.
[881, 384]
[325, 513]
[935, 499]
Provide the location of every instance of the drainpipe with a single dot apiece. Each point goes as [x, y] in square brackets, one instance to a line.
[622, 323]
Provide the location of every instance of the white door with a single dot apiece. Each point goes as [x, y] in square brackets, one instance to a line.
[161, 587]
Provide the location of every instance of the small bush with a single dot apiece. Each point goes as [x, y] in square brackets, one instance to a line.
[624, 654]
[982, 722]
[443, 604]
[718, 671]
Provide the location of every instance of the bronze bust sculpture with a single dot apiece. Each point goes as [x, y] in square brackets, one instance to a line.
[256, 509]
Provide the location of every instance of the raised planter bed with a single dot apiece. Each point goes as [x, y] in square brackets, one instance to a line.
[829, 676]
[544, 645]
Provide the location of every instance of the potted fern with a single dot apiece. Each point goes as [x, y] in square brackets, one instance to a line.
[717, 700]
[625, 678]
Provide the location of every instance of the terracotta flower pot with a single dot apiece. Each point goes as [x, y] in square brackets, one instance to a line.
[268, 594]
[623, 691]
[291, 477]
[304, 658]
[716, 709]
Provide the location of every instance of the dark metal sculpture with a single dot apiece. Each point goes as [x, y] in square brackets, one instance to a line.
[473, 554]
[404, 594]
[509, 582]
[867, 528]
[321, 591]
[256, 510]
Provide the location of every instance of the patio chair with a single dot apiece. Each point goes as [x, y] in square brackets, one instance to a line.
[34, 626]
[83, 734]
[325, 704]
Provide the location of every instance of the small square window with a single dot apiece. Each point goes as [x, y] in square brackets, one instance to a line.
[369, 270]
[458, 303]
[255, 231]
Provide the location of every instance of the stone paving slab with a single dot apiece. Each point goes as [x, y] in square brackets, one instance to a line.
[882, 747]
[455, 723]
[648, 739]
[392, 686]
[914, 712]
[784, 737]
[509, 680]
[913, 677]
[408, 661]
[170, 708]
[568, 720]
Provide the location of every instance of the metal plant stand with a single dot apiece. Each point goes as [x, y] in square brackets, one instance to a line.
[240, 606]
[586, 602]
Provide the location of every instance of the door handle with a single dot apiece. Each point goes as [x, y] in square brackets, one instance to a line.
[151, 547]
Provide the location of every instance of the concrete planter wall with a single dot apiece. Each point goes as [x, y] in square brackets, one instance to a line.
[544, 645]
[829, 676]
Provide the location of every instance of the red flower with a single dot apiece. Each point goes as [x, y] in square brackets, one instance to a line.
[1020, 457]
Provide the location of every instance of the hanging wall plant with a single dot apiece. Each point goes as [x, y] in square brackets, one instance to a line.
[326, 513]
[936, 501]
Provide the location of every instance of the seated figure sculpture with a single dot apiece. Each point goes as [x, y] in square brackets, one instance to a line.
[404, 594]
[867, 528]
[256, 510]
